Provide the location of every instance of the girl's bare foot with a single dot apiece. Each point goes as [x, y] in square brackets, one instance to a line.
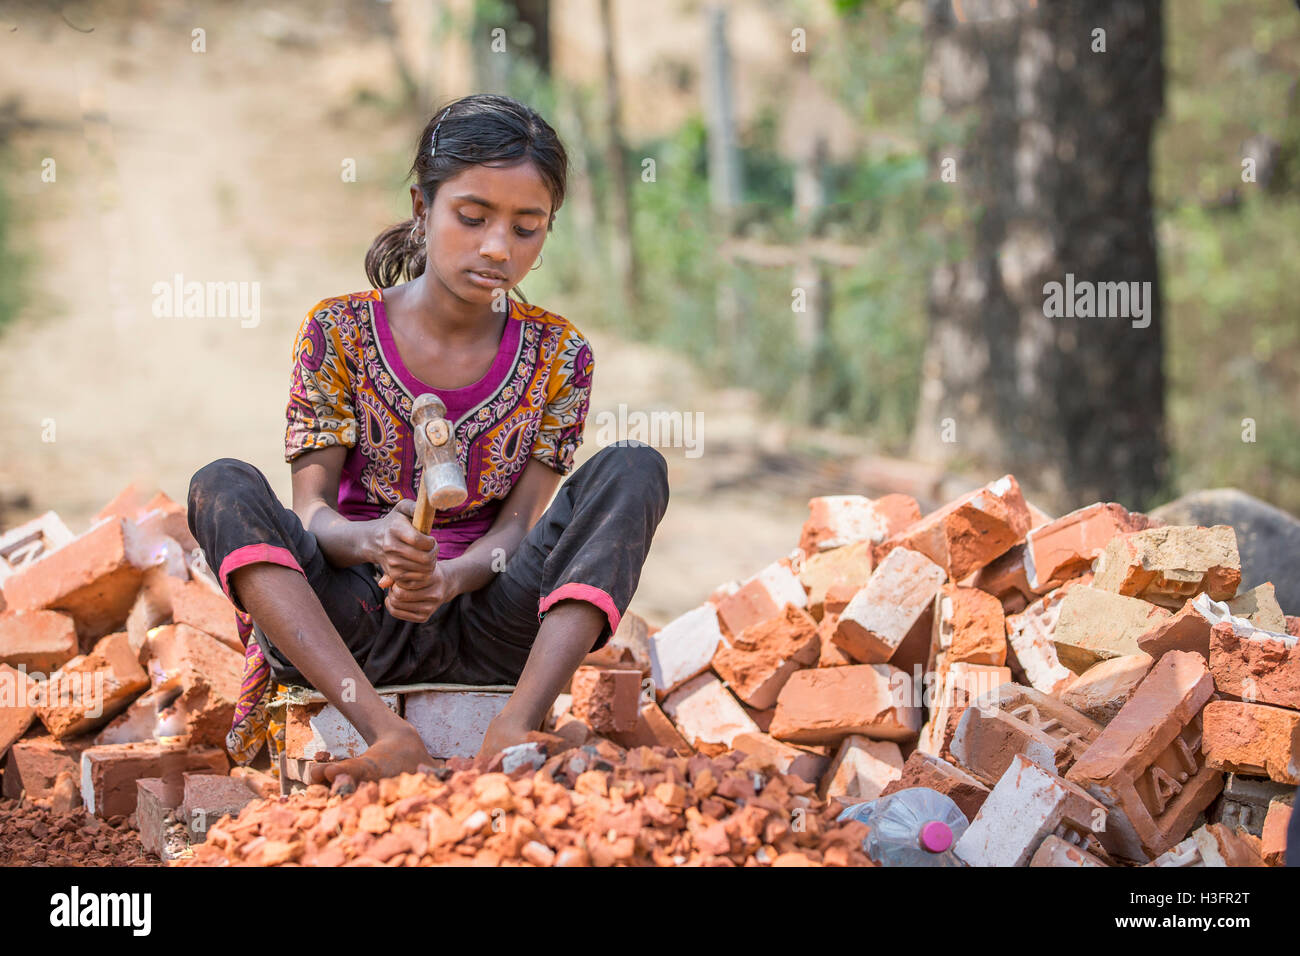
[392, 753]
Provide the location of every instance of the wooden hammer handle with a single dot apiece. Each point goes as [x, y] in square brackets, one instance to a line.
[423, 519]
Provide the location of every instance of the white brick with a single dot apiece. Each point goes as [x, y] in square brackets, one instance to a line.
[703, 709]
[782, 585]
[452, 721]
[684, 647]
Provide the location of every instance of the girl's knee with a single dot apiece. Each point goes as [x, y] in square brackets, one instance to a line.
[223, 476]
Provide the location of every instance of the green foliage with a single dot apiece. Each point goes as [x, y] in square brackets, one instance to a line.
[13, 262]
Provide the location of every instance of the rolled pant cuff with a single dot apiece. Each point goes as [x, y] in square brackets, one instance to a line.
[253, 554]
[583, 592]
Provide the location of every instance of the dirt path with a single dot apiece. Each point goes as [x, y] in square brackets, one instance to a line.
[225, 166]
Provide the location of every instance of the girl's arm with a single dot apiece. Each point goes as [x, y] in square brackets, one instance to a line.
[316, 476]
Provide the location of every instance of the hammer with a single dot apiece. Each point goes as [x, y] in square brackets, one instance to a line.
[442, 483]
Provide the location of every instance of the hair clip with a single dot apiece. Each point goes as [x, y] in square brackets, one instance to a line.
[433, 148]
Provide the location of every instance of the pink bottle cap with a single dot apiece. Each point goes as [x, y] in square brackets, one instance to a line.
[936, 836]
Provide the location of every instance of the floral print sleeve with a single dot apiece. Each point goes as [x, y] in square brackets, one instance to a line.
[567, 400]
[320, 411]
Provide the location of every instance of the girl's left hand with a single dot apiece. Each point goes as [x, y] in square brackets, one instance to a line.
[418, 604]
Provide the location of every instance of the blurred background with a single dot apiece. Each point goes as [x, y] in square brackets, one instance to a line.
[824, 227]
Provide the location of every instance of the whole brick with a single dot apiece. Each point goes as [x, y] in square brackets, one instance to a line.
[966, 534]
[40, 641]
[684, 647]
[761, 658]
[209, 674]
[825, 704]
[880, 616]
[1012, 719]
[1168, 565]
[607, 699]
[1253, 739]
[1146, 765]
[108, 774]
[1257, 666]
[925, 770]
[704, 711]
[207, 797]
[969, 626]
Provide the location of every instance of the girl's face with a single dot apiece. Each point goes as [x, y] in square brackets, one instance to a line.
[488, 221]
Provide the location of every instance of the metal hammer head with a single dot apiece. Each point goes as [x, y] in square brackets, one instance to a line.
[442, 479]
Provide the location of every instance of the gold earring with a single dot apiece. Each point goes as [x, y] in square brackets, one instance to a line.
[538, 266]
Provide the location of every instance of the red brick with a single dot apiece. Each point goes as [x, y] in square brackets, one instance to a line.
[202, 608]
[969, 626]
[608, 700]
[838, 520]
[108, 774]
[1146, 766]
[208, 673]
[706, 712]
[1274, 838]
[761, 598]
[207, 797]
[784, 758]
[1186, 630]
[762, 657]
[926, 770]
[92, 579]
[861, 770]
[653, 729]
[34, 764]
[89, 691]
[1293, 625]
[17, 706]
[826, 704]
[1255, 666]
[155, 805]
[840, 569]
[39, 641]
[1014, 720]
[1168, 565]
[1103, 689]
[1253, 739]
[878, 619]
[1006, 579]
[1064, 548]
[828, 654]
[969, 533]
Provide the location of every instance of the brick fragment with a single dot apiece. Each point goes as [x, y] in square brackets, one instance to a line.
[206, 672]
[830, 654]
[201, 607]
[880, 616]
[1257, 666]
[1095, 625]
[1103, 689]
[704, 711]
[1054, 851]
[838, 520]
[91, 578]
[972, 531]
[108, 774]
[1188, 629]
[607, 699]
[1064, 548]
[826, 704]
[1212, 845]
[1168, 565]
[1260, 607]
[846, 567]
[317, 726]
[1253, 739]
[796, 761]
[89, 691]
[861, 770]
[1274, 833]
[683, 648]
[628, 647]
[35, 763]
[39, 641]
[1245, 802]
[957, 687]
[1006, 579]
[31, 541]
[926, 770]
[18, 696]
[1030, 650]
[1027, 805]
[761, 598]
[1146, 765]
[155, 816]
[969, 626]
[1011, 720]
[653, 729]
[761, 658]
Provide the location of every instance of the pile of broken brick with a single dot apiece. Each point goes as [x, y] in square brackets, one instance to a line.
[1089, 690]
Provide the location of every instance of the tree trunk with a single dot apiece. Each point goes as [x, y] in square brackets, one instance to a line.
[1055, 175]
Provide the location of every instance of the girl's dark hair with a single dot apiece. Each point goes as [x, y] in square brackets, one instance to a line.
[480, 128]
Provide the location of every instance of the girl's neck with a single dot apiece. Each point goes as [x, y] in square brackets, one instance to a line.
[446, 315]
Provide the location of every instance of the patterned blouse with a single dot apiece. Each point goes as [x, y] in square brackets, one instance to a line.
[350, 387]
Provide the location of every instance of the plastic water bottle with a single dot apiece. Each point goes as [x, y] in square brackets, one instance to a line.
[914, 827]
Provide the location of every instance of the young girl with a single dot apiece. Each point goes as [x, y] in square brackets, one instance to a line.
[342, 592]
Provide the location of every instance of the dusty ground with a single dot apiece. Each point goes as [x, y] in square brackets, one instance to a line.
[225, 166]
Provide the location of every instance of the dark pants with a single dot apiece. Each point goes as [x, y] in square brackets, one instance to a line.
[590, 544]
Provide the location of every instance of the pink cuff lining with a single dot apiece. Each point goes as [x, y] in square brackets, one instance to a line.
[252, 554]
[583, 592]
